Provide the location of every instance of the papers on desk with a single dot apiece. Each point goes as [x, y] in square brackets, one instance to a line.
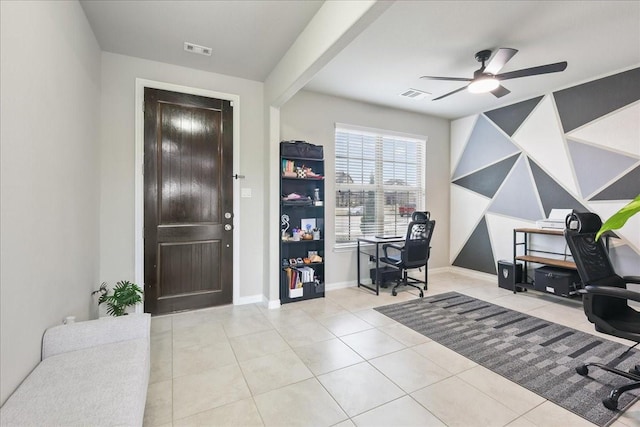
[388, 237]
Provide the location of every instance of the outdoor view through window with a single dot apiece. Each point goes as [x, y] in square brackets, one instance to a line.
[380, 181]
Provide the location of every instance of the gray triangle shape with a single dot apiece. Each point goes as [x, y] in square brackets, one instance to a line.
[517, 197]
[592, 178]
[552, 195]
[584, 103]
[487, 181]
[510, 118]
[625, 260]
[477, 253]
[486, 145]
[626, 188]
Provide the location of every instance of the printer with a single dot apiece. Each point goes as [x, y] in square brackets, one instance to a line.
[555, 220]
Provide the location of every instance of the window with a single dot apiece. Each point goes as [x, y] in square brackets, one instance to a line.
[380, 181]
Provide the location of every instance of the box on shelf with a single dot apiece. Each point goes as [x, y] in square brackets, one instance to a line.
[506, 274]
[296, 292]
[301, 149]
[558, 281]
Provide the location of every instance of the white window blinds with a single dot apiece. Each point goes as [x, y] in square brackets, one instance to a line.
[380, 181]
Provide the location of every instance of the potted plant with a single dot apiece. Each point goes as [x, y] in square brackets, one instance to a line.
[619, 218]
[125, 294]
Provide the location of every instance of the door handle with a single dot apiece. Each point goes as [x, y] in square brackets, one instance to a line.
[228, 227]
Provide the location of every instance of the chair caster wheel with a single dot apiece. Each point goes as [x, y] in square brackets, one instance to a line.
[610, 403]
[394, 292]
[583, 370]
[421, 294]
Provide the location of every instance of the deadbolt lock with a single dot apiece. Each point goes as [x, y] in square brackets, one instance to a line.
[228, 215]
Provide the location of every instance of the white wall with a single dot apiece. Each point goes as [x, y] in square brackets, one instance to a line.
[312, 116]
[50, 85]
[117, 163]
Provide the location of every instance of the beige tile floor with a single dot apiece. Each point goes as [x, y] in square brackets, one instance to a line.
[336, 362]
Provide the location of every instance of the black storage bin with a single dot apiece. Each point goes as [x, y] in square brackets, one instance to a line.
[301, 149]
[387, 274]
[506, 274]
[558, 281]
[309, 288]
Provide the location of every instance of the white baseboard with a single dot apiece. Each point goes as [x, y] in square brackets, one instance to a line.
[473, 273]
[439, 270]
[273, 304]
[342, 285]
[248, 300]
[369, 282]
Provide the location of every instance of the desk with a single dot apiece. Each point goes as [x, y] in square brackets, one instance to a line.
[538, 256]
[377, 242]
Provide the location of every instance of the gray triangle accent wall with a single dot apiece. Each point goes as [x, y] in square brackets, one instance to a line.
[487, 181]
[518, 196]
[591, 178]
[486, 145]
[581, 104]
[511, 117]
[552, 195]
[627, 187]
[529, 193]
[477, 253]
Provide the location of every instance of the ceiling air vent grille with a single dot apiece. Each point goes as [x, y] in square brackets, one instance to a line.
[414, 94]
[194, 48]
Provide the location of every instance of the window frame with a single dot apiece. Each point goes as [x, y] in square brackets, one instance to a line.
[379, 187]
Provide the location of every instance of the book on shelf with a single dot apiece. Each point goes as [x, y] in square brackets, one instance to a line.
[294, 278]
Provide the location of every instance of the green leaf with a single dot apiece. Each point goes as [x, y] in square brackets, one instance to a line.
[620, 218]
[124, 294]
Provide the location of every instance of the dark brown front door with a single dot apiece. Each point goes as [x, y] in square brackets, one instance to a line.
[188, 253]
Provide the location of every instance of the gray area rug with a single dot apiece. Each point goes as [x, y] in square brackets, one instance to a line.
[534, 353]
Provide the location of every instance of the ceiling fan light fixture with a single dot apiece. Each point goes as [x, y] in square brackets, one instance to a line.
[483, 85]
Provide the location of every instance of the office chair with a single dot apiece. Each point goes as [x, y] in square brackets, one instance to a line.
[413, 254]
[604, 297]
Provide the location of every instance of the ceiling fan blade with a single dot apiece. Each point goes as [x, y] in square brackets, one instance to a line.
[534, 71]
[502, 56]
[450, 93]
[453, 79]
[500, 91]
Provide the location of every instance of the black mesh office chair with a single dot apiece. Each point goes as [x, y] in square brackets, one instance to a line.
[413, 254]
[605, 296]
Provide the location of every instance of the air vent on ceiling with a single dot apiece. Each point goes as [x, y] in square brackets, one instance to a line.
[415, 94]
[194, 48]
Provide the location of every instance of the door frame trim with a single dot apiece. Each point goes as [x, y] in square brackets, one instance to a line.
[141, 84]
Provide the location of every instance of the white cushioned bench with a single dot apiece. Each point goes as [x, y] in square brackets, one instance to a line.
[92, 373]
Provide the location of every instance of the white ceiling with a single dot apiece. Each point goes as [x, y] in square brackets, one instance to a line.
[247, 37]
[411, 39]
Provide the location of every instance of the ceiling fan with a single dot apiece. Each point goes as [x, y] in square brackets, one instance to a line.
[486, 78]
